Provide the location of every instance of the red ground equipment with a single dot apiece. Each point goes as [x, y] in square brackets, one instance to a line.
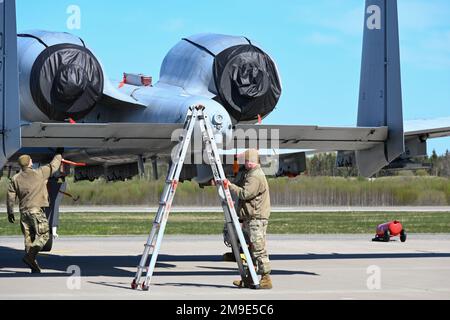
[388, 230]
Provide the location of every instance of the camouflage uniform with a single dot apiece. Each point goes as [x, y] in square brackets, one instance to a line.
[35, 228]
[30, 187]
[254, 210]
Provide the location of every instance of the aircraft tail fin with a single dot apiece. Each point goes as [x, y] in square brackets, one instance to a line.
[380, 100]
[10, 140]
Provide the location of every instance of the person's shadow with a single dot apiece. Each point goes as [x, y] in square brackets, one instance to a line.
[125, 266]
[114, 266]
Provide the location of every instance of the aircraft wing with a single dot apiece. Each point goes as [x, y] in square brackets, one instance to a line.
[158, 136]
[312, 137]
[343, 138]
[429, 129]
[148, 136]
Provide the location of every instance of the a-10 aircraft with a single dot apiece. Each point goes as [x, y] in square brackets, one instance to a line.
[56, 97]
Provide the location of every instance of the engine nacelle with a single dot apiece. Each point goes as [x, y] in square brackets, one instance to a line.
[231, 70]
[59, 77]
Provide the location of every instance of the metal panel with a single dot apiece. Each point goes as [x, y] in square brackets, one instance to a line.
[112, 97]
[380, 101]
[394, 101]
[157, 138]
[372, 97]
[216, 43]
[113, 135]
[428, 129]
[431, 133]
[312, 137]
[189, 65]
[415, 147]
[9, 102]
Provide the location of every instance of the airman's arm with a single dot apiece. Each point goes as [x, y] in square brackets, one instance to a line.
[249, 191]
[48, 170]
[11, 198]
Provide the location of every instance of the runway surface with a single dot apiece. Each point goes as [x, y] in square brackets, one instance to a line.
[190, 268]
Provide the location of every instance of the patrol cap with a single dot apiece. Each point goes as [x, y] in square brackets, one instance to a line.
[251, 155]
[24, 161]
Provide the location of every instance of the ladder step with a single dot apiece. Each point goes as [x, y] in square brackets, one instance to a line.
[145, 269]
[172, 182]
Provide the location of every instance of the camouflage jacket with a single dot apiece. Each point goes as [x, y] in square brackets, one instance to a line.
[253, 194]
[30, 187]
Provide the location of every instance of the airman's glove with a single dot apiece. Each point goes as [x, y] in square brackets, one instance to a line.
[11, 218]
[55, 233]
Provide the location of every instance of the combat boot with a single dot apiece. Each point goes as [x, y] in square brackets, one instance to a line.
[246, 283]
[266, 282]
[30, 260]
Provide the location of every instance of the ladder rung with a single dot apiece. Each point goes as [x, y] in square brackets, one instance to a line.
[143, 268]
[172, 182]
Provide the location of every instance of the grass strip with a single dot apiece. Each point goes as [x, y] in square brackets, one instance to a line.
[113, 224]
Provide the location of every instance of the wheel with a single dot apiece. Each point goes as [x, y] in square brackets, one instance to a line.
[134, 285]
[403, 236]
[387, 236]
[145, 288]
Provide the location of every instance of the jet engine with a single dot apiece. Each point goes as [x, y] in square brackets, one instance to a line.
[232, 70]
[59, 77]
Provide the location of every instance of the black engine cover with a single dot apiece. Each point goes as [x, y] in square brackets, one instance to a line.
[66, 82]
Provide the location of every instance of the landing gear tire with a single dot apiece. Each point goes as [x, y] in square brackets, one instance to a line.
[403, 236]
[145, 288]
[387, 236]
[134, 285]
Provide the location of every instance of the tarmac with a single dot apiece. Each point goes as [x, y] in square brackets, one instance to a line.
[307, 267]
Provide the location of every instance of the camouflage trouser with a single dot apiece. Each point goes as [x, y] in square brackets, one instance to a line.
[35, 229]
[255, 231]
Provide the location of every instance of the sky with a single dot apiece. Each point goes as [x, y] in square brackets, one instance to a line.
[316, 45]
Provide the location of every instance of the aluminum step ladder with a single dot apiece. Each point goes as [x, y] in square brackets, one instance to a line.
[152, 247]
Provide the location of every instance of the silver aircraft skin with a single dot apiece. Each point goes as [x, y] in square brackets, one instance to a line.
[166, 102]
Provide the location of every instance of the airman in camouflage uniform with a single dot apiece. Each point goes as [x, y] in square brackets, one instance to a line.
[254, 210]
[30, 187]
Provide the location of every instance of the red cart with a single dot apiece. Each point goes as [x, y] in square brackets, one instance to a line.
[391, 229]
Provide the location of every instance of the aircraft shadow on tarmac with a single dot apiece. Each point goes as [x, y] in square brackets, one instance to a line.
[113, 266]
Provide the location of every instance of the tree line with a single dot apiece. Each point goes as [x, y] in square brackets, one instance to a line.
[324, 164]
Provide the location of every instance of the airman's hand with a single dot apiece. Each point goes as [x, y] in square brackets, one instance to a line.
[11, 218]
[55, 233]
